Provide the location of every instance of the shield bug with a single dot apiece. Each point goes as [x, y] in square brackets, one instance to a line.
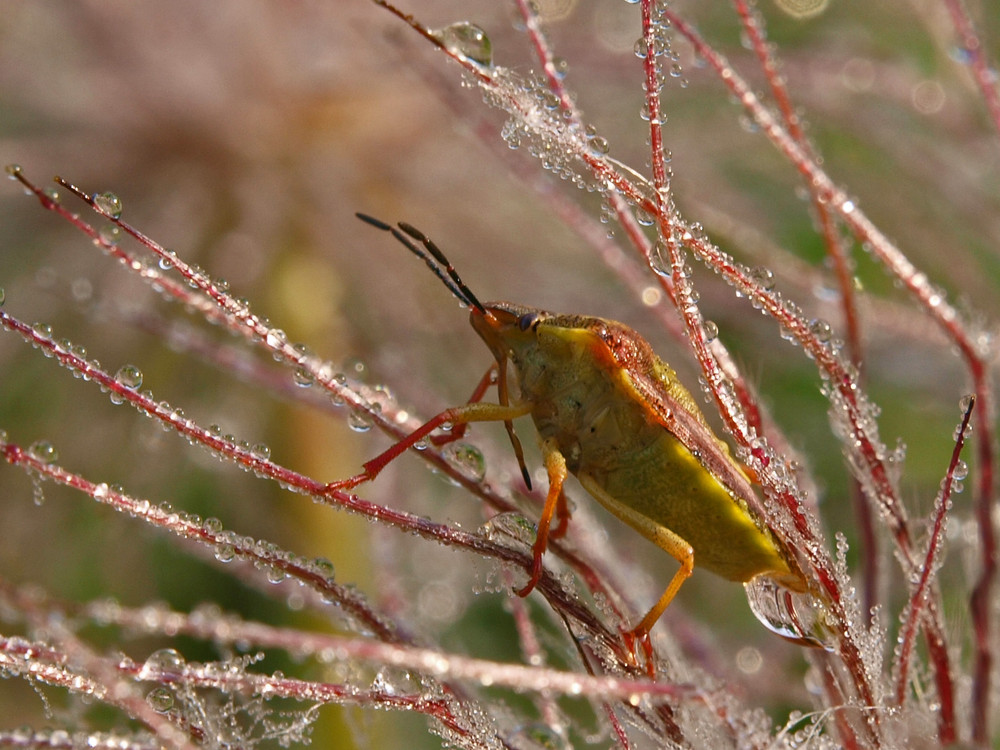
[613, 414]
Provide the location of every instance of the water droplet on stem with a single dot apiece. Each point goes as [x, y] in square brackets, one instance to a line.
[108, 204]
[467, 41]
[799, 618]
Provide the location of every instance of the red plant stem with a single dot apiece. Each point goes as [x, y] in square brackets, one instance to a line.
[752, 24]
[231, 630]
[175, 523]
[569, 608]
[986, 77]
[919, 594]
[947, 318]
[84, 673]
[48, 667]
[668, 228]
[264, 467]
[544, 55]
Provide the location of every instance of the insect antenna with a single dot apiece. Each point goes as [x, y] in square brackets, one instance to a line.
[433, 257]
[436, 260]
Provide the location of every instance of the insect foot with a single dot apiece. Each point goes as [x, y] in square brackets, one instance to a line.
[635, 639]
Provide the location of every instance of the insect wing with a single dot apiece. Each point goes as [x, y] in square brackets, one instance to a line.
[666, 401]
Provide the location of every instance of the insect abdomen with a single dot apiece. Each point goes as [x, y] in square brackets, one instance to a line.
[668, 485]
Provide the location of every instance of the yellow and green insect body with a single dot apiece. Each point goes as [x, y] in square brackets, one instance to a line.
[613, 414]
[627, 427]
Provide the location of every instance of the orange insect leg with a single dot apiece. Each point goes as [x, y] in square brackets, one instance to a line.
[555, 465]
[459, 415]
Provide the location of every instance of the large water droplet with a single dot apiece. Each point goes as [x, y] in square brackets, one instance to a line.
[360, 421]
[129, 376]
[763, 277]
[302, 377]
[43, 451]
[324, 567]
[509, 526]
[961, 470]
[468, 41]
[166, 661]
[470, 458]
[160, 699]
[799, 618]
[108, 204]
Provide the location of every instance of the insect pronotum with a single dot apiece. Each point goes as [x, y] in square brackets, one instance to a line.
[613, 414]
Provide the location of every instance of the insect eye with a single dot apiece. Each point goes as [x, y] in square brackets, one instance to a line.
[528, 320]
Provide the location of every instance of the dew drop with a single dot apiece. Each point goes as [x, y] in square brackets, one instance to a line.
[467, 41]
[225, 553]
[275, 574]
[822, 330]
[108, 204]
[324, 567]
[212, 525]
[470, 459]
[961, 471]
[43, 451]
[762, 277]
[711, 330]
[261, 451]
[160, 699]
[360, 421]
[644, 218]
[13, 170]
[508, 526]
[799, 618]
[166, 661]
[129, 376]
[110, 234]
[599, 145]
[275, 338]
[302, 377]
[539, 735]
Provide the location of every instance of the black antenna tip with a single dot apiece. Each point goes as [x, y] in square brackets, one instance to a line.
[413, 231]
[378, 223]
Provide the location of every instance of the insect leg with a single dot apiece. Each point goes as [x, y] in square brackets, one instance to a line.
[555, 465]
[671, 543]
[563, 514]
[458, 415]
[502, 395]
[477, 395]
